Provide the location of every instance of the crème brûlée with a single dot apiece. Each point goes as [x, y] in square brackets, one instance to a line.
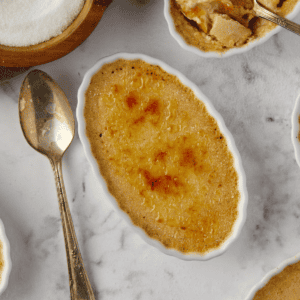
[283, 286]
[220, 25]
[162, 155]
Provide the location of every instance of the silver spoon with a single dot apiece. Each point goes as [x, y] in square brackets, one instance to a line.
[48, 125]
[268, 15]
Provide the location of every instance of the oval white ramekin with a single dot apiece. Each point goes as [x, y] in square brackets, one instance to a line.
[7, 260]
[228, 53]
[272, 273]
[231, 144]
[296, 129]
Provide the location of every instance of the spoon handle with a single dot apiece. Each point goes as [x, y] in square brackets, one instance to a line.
[266, 14]
[80, 287]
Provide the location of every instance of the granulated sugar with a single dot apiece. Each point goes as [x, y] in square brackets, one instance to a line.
[29, 22]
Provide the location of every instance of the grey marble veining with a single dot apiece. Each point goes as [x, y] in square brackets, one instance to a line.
[254, 92]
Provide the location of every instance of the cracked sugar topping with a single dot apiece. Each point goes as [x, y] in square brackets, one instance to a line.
[220, 25]
[29, 22]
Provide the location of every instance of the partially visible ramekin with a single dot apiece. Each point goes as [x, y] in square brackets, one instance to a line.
[296, 129]
[272, 273]
[231, 144]
[6, 257]
[228, 53]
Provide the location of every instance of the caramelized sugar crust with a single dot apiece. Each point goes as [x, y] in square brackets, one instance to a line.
[284, 285]
[238, 19]
[162, 155]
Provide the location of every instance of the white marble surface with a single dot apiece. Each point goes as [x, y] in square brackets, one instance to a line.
[254, 92]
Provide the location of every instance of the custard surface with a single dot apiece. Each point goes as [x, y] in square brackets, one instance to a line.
[220, 25]
[162, 155]
[299, 129]
[283, 286]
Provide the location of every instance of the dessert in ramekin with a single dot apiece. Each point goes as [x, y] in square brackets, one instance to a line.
[220, 28]
[280, 283]
[163, 154]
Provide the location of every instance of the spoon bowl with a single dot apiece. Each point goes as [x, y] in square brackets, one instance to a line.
[48, 125]
[45, 114]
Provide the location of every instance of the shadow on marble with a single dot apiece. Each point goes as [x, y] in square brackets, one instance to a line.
[9, 73]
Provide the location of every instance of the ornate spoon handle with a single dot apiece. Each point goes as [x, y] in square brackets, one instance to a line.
[266, 14]
[80, 287]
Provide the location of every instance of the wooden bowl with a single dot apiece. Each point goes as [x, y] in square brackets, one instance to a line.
[60, 45]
